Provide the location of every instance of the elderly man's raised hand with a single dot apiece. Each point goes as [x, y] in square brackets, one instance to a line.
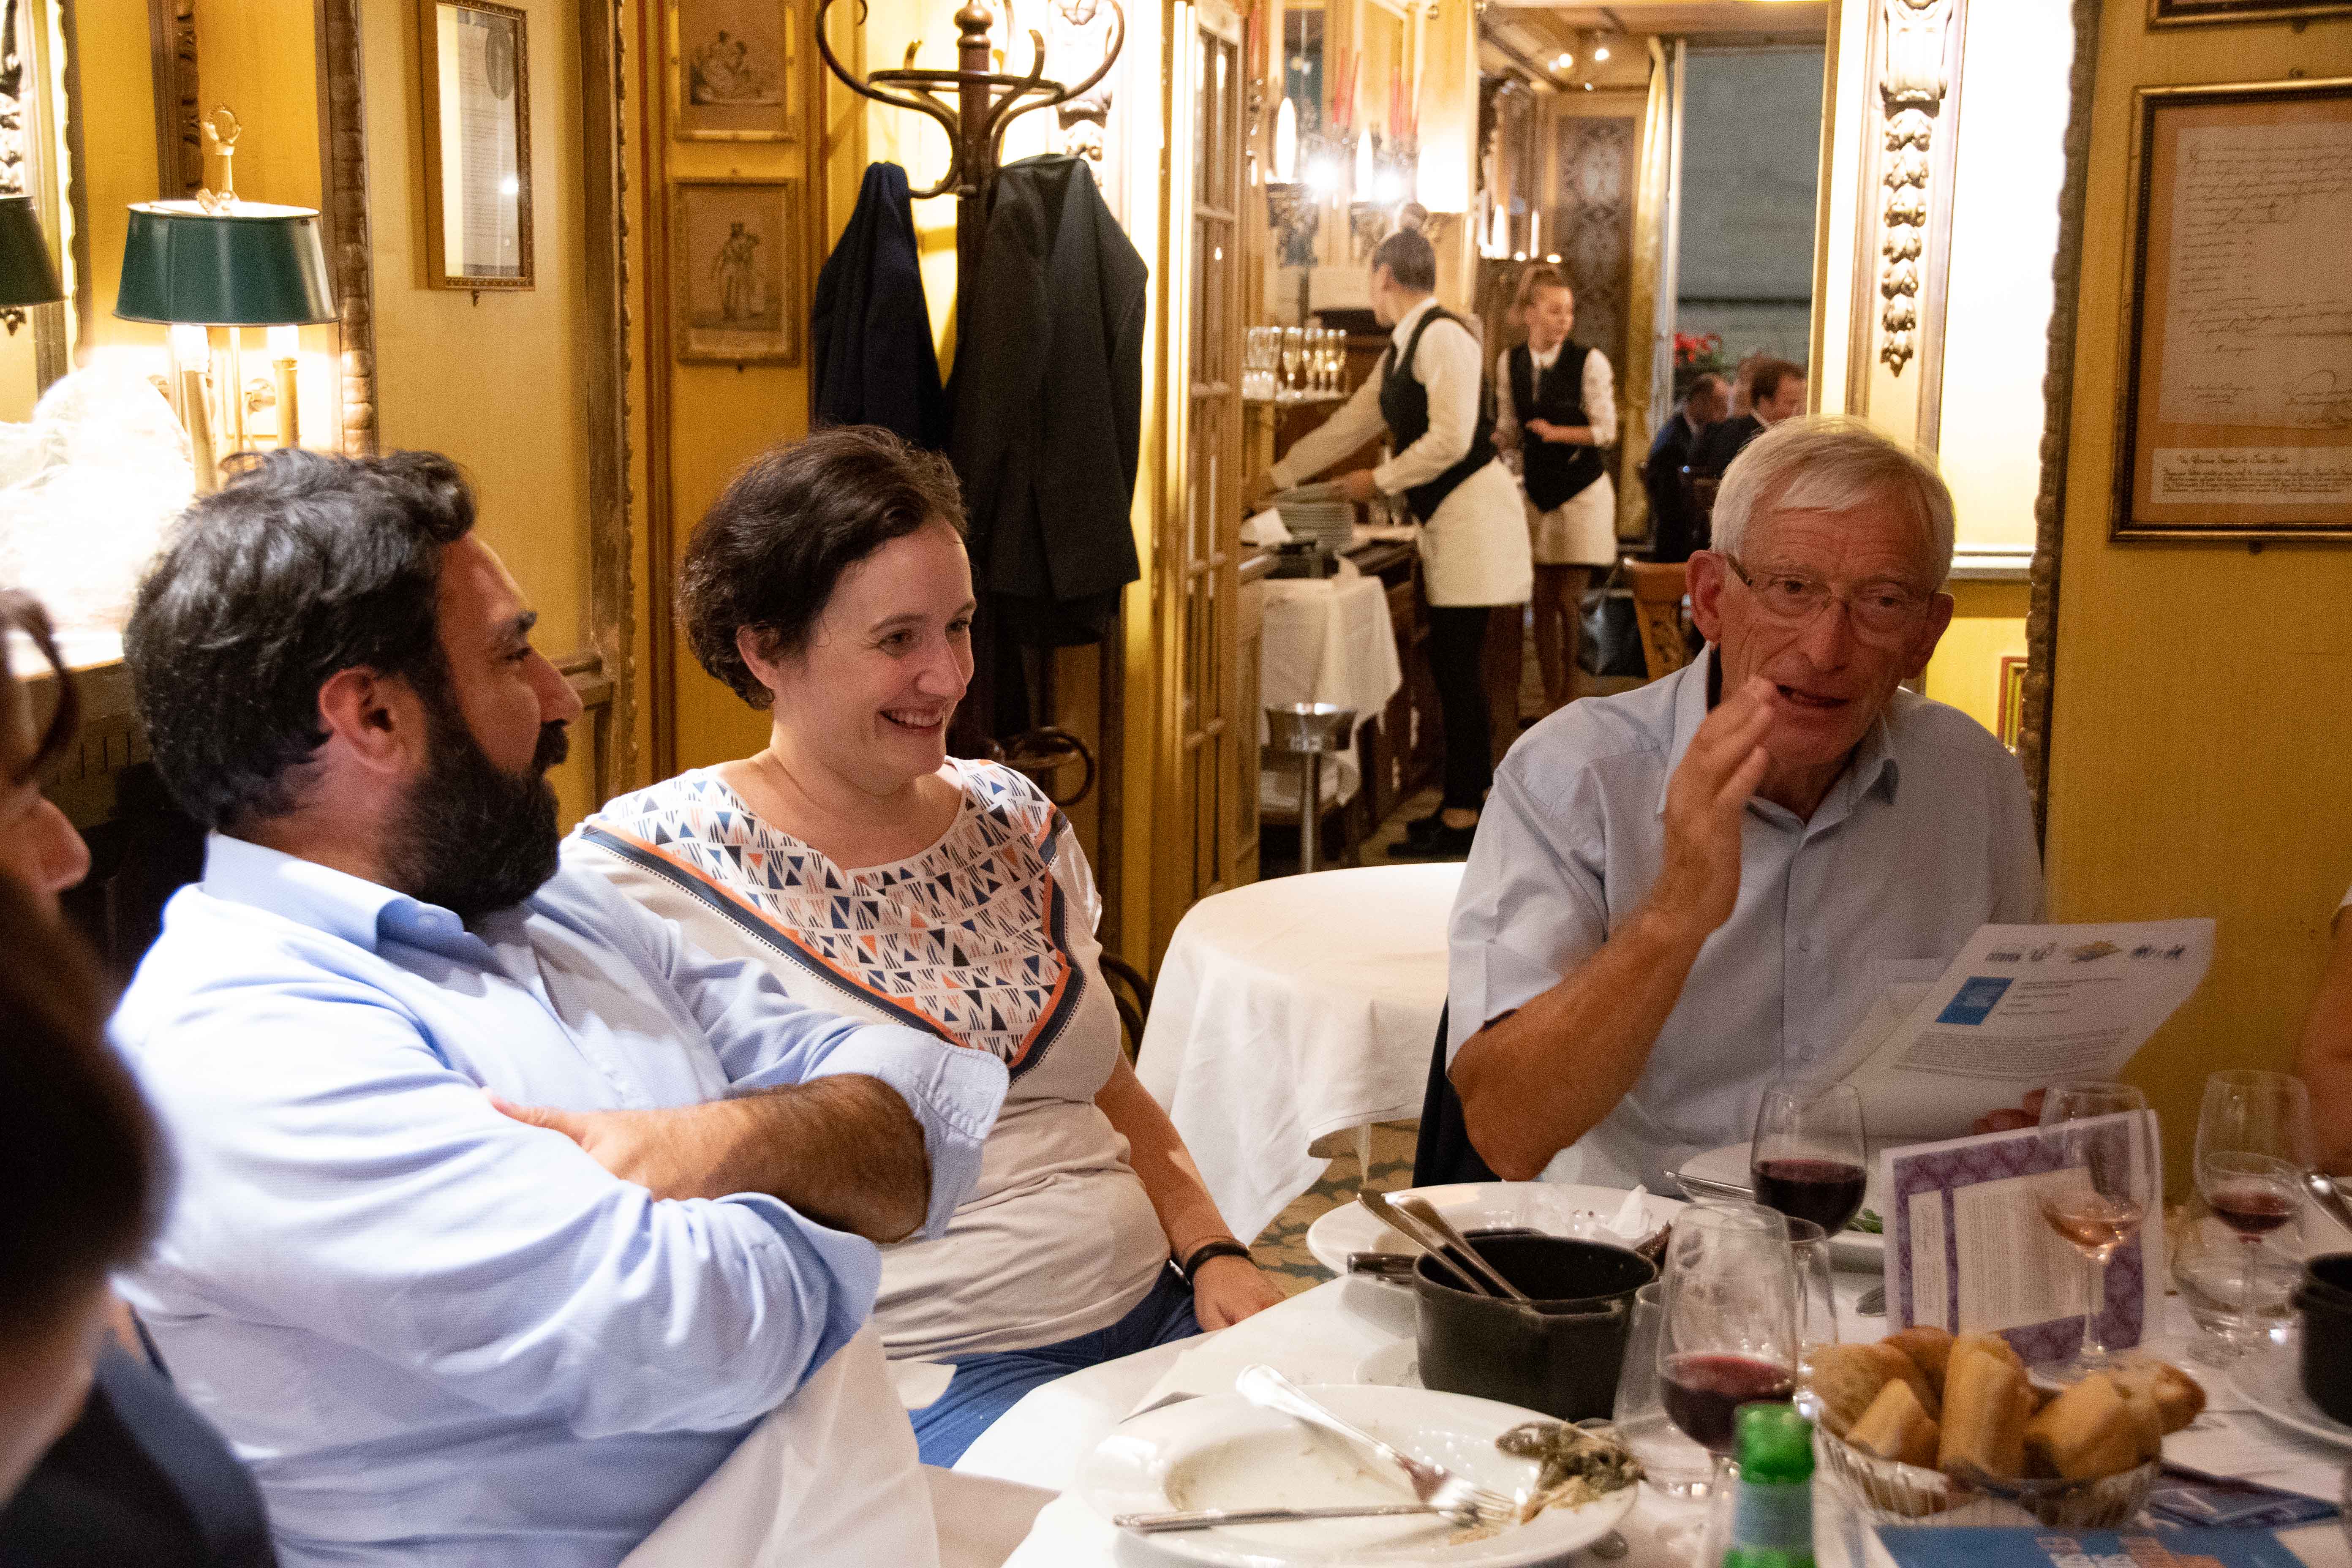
[1698, 880]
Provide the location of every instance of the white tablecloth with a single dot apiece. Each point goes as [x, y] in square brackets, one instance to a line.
[1326, 639]
[1321, 1336]
[1291, 1009]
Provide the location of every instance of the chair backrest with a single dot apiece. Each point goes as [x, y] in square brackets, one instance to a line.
[1658, 589]
[1443, 1152]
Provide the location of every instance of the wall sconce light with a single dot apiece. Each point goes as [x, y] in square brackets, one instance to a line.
[1285, 141]
[222, 262]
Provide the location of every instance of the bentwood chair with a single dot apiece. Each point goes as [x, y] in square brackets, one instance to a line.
[1658, 589]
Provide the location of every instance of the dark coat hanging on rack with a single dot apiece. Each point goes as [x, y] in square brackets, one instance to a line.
[1048, 400]
[869, 328]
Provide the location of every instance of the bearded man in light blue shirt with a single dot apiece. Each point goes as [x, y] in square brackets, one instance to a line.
[1681, 893]
[502, 1211]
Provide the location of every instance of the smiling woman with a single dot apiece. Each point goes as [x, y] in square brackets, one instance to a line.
[876, 876]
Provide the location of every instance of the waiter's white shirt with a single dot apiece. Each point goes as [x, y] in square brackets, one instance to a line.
[1475, 550]
[1582, 530]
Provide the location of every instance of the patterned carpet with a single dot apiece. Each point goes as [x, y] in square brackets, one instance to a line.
[1281, 1250]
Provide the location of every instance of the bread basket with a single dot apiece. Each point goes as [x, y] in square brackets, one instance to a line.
[1887, 1492]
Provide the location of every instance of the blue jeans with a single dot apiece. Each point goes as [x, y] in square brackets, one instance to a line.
[985, 1386]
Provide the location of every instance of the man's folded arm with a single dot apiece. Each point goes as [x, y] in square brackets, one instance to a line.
[370, 1194]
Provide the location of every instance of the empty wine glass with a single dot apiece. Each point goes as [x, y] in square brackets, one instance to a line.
[1293, 345]
[1809, 1158]
[1730, 1333]
[2102, 1188]
[2253, 1145]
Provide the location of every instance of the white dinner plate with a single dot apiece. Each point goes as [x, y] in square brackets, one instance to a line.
[1728, 1167]
[2272, 1381]
[1555, 1209]
[1394, 1365]
[1223, 1452]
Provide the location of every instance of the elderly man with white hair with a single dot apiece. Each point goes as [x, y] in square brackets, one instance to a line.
[1682, 892]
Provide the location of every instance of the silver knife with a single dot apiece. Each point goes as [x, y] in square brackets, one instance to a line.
[1209, 1517]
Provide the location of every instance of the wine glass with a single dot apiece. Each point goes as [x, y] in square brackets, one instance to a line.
[1809, 1158]
[1730, 1332]
[2105, 1184]
[1293, 345]
[2253, 1145]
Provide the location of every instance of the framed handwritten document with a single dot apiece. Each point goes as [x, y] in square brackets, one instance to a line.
[2175, 13]
[476, 65]
[2237, 416]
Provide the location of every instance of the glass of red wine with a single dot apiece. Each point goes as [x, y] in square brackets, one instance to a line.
[1809, 1158]
[2253, 1145]
[1730, 1332]
[2105, 1184]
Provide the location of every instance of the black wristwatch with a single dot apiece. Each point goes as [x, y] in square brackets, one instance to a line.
[1223, 1247]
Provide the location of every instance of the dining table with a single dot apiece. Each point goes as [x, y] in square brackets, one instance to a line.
[1346, 1331]
[1293, 1009]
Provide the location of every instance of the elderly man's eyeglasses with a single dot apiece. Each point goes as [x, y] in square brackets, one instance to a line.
[1876, 609]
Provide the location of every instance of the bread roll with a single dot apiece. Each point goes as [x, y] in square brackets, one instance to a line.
[1845, 1379]
[1986, 1401]
[2090, 1431]
[1930, 1349]
[1991, 1344]
[1898, 1428]
[1889, 1356]
[2179, 1398]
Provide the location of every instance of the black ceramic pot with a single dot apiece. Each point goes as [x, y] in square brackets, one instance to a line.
[2324, 1300]
[1562, 1355]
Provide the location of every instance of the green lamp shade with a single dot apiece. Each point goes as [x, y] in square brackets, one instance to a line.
[257, 266]
[27, 276]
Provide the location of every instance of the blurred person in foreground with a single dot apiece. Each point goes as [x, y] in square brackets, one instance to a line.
[438, 1332]
[2324, 1059]
[1682, 892]
[106, 1464]
[869, 871]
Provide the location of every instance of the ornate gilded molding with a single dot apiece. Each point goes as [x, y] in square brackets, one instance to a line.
[347, 220]
[1913, 77]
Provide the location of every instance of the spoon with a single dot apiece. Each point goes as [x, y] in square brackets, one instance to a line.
[1397, 1223]
[1423, 1212]
[2322, 1189]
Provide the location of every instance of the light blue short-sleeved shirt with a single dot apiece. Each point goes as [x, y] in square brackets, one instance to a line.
[438, 1335]
[1927, 835]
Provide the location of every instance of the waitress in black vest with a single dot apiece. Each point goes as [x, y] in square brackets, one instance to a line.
[1555, 407]
[1474, 535]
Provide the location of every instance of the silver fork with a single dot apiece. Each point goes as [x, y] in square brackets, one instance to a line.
[1433, 1484]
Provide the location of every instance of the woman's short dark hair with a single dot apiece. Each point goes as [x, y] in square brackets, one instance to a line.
[78, 1156]
[302, 566]
[1410, 259]
[768, 554]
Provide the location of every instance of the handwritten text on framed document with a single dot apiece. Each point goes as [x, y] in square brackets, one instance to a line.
[2237, 415]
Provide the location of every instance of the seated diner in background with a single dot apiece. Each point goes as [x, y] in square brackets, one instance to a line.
[869, 871]
[437, 1332]
[1675, 526]
[2325, 1059]
[1775, 393]
[135, 1476]
[1682, 892]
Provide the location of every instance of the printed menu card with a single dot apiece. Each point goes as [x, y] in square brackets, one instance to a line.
[1968, 1249]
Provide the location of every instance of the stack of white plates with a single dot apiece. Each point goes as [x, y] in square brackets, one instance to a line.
[1330, 523]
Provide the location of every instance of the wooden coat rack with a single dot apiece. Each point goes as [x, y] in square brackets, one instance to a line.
[975, 105]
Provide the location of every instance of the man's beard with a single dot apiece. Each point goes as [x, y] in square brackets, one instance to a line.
[471, 836]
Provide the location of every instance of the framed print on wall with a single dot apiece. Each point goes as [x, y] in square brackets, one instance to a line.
[736, 253]
[2237, 408]
[2180, 13]
[730, 69]
[477, 69]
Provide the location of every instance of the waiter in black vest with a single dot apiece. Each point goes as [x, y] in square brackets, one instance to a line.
[1474, 538]
[1557, 408]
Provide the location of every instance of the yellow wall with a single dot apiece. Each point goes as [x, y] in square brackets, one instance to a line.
[1987, 626]
[494, 382]
[2204, 722]
[118, 167]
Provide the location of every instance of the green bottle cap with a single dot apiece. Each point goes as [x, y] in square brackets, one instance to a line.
[1775, 1443]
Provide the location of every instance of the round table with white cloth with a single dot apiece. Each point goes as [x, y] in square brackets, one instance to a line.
[1326, 639]
[1292, 1009]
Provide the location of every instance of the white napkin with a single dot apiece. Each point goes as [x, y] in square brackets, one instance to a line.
[1631, 1220]
[920, 1383]
[1265, 528]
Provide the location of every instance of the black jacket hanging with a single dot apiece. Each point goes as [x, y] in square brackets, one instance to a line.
[1048, 400]
[869, 329]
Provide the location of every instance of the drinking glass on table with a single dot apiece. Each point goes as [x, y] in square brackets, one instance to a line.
[2253, 1145]
[2104, 1186]
[1671, 1462]
[1809, 1158]
[1808, 1259]
[1294, 346]
[1730, 1332]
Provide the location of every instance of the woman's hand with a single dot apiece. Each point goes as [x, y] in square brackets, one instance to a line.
[1227, 1290]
